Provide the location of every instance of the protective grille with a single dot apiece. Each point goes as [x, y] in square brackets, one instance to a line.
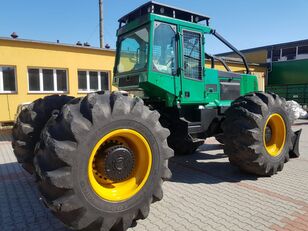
[129, 81]
[192, 55]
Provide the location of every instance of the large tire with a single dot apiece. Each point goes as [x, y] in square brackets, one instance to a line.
[65, 161]
[29, 124]
[249, 122]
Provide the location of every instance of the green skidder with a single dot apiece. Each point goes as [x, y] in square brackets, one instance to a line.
[100, 160]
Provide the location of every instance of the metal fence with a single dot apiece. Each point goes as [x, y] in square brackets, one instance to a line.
[296, 92]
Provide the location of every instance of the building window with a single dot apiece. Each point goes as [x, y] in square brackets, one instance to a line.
[276, 55]
[303, 50]
[61, 80]
[269, 54]
[289, 53]
[7, 80]
[89, 81]
[93, 80]
[47, 80]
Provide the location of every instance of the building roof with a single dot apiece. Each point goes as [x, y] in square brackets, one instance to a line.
[154, 7]
[234, 60]
[270, 47]
[55, 44]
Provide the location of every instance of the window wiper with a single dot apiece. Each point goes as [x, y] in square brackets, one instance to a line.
[188, 56]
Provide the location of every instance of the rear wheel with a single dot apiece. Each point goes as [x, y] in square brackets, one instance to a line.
[102, 162]
[257, 133]
[29, 124]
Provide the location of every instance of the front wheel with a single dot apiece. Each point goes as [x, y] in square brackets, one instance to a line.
[257, 133]
[102, 162]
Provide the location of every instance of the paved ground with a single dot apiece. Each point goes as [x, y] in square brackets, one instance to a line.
[206, 193]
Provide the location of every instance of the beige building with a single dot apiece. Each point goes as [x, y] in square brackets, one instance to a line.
[31, 69]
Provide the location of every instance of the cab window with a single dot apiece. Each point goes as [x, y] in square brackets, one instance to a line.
[164, 49]
[192, 55]
[133, 52]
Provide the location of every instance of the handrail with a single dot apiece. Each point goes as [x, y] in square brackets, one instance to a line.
[213, 57]
[223, 40]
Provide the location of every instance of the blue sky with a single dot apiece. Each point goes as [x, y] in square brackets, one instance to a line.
[244, 23]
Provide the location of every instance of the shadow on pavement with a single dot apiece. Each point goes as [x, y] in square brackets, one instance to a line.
[205, 167]
[20, 207]
[5, 135]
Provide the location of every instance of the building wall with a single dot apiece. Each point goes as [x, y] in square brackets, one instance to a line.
[289, 72]
[259, 56]
[287, 63]
[255, 56]
[23, 55]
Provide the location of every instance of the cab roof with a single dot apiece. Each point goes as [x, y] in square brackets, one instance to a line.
[165, 10]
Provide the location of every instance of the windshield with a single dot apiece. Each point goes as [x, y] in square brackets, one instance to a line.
[133, 53]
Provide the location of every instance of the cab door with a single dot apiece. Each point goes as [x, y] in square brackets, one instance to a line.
[192, 66]
[164, 64]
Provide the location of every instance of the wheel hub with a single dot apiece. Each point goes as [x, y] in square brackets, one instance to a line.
[274, 134]
[268, 134]
[119, 163]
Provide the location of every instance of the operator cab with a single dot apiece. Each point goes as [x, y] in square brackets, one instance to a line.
[161, 56]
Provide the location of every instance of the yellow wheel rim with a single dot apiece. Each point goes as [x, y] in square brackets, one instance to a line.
[274, 145]
[123, 190]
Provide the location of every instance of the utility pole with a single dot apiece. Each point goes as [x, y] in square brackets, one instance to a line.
[101, 24]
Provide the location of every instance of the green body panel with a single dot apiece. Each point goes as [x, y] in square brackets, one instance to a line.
[296, 92]
[177, 89]
[248, 83]
[289, 72]
[212, 96]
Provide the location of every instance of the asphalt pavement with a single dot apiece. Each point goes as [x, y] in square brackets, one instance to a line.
[205, 193]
